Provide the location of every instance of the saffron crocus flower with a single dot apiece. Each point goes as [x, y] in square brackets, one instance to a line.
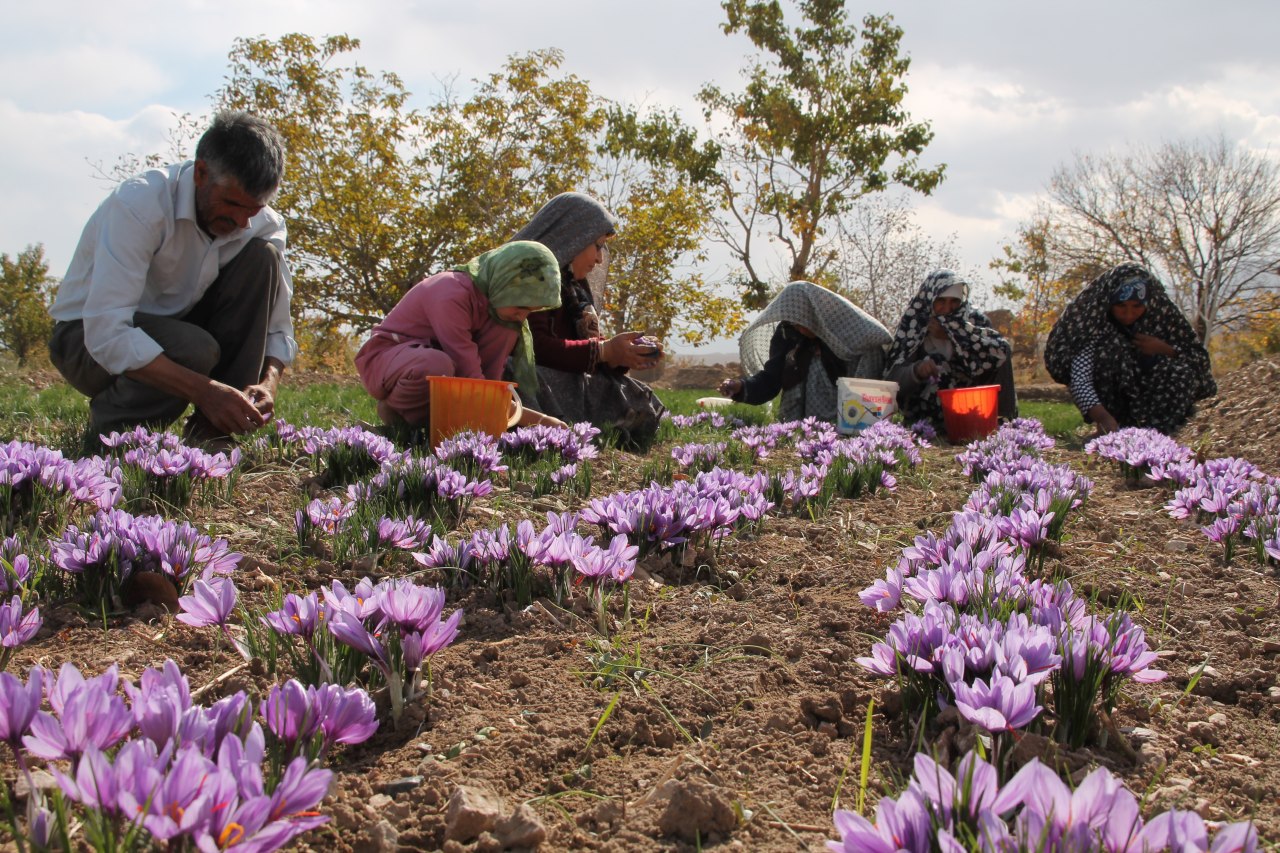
[409, 605]
[998, 705]
[187, 796]
[19, 704]
[211, 602]
[160, 702]
[291, 713]
[17, 626]
[972, 790]
[420, 645]
[300, 790]
[15, 566]
[349, 630]
[346, 716]
[901, 825]
[1239, 837]
[94, 784]
[885, 594]
[69, 681]
[298, 615]
[1100, 809]
[361, 601]
[89, 717]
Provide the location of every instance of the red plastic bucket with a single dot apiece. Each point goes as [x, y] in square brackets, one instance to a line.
[969, 413]
[459, 404]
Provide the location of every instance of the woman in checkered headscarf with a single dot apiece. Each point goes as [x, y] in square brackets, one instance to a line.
[1128, 354]
[943, 342]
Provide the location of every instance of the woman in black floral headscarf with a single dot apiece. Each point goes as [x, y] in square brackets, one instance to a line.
[1128, 354]
[943, 342]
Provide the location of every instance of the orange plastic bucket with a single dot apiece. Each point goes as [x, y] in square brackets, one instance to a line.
[969, 413]
[459, 404]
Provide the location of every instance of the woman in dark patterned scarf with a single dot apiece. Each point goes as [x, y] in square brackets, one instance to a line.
[800, 345]
[943, 342]
[582, 374]
[1128, 354]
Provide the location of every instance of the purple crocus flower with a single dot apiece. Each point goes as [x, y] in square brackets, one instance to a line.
[491, 546]
[291, 713]
[1066, 819]
[998, 705]
[618, 561]
[19, 704]
[408, 605]
[885, 594]
[346, 716]
[69, 681]
[160, 702]
[16, 626]
[420, 645]
[361, 601]
[298, 615]
[300, 790]
[349, 630]
[15, 566]
[231, 719]
[89, 717]
[211, 602]
[1027, 652]
[972, 790]
[901, 825]
[187, 796]
[1239, 837]
[94, 784]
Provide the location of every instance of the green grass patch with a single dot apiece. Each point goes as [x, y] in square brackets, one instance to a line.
[1061, 420]
[58, 414]
[684, 401]
[325, 404]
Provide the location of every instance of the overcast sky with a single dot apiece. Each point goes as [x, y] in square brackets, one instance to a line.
[1012, 89]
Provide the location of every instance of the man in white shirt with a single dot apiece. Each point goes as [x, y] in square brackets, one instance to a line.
[178, 292]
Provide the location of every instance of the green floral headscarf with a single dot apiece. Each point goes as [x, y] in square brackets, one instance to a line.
[521, 274]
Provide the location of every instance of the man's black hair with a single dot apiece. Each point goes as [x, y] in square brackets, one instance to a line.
[246, 148]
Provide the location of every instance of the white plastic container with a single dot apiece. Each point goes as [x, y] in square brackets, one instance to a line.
[863, 402]
[714, 402]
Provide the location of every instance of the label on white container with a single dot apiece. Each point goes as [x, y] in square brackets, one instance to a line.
[863, 402]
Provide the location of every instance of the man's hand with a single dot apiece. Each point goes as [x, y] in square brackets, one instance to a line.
[263, 394]
[1151, 345]
[263, 399]
[229, 410]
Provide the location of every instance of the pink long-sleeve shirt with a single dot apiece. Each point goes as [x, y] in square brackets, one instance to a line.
[446, 312]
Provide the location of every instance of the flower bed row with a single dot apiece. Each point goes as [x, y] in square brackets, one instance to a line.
[990, 631]
[1232, 498]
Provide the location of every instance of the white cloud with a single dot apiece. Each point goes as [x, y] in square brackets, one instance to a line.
[71, 76]
[49, 198]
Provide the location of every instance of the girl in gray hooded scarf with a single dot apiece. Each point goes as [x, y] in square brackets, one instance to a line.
[582, 375]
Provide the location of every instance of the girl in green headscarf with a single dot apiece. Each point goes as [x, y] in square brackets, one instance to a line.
[465, 321]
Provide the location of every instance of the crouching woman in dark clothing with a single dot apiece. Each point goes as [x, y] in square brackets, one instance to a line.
[800, 346]
[1128, 354]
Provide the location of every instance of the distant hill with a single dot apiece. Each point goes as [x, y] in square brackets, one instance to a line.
[704, 357]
